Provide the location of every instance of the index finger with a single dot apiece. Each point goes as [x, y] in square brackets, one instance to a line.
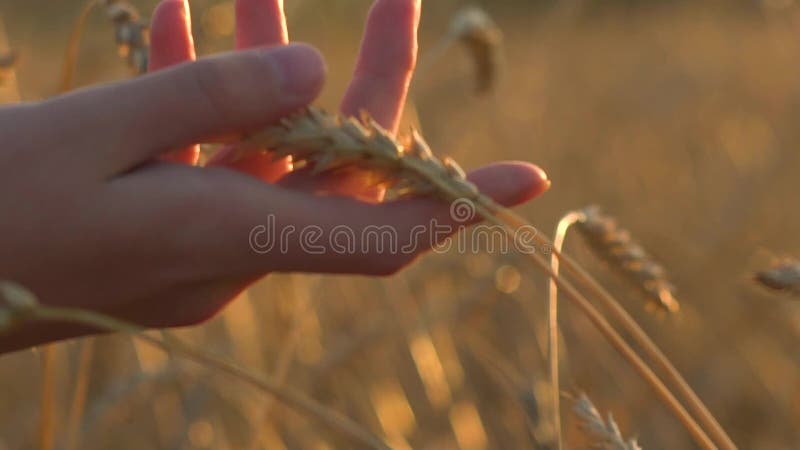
[386, 62]
[260, 23]
[171, 43]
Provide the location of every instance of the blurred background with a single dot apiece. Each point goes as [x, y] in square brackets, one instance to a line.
[679, 118]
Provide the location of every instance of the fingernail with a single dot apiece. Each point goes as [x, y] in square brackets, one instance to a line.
[300, 69]
[546, 183]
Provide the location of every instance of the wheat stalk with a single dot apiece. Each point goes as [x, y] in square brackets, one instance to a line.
[639, 335]
[20, 306]
[604, 433]
[47, 403]
[552, 321]
[78, 403]
[782, 276]
[285, 358]
[331, 143]
[14, 299]
[614, 244]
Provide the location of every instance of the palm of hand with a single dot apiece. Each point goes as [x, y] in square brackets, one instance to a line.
[111, 226]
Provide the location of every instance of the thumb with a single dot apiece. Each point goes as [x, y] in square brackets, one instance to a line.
[180, 106]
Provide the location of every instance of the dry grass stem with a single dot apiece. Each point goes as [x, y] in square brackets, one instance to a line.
[20, 306]
[603, 434]
[614, 245]
[331, 143]
[782, 276]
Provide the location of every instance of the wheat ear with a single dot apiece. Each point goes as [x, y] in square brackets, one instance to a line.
[19, 306]
[130, 33]
[330, 143]
[483, 39]
[604, 434]
[473, 28]
[630, 326]
[782, 276]
[614, 245]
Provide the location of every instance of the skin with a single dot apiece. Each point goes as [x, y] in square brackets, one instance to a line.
[105, 208]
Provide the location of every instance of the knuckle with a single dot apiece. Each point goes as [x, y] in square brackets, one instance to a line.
[227, 85]
[209, 80]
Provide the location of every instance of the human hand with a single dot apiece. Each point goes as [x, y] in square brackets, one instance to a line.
[94, 218]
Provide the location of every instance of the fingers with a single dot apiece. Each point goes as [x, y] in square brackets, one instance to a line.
[380, 83]
[259, 165]
[124, 124]
[171, 39]
[171, 43]
[249, 228]
[260, 23]
[356, 183]
[386, 62]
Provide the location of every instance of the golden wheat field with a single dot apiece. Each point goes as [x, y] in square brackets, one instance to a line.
[680, 120]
